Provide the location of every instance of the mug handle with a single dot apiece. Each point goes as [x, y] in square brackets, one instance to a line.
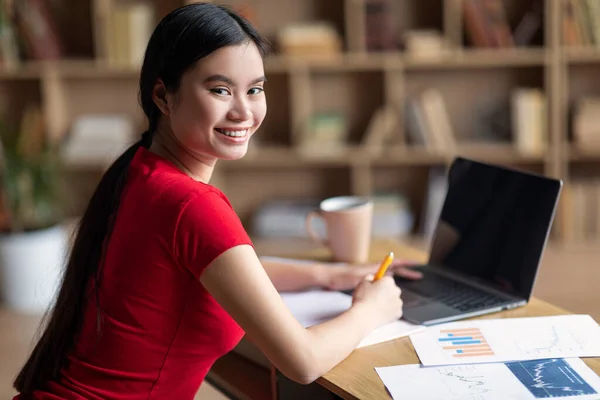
[310, 230]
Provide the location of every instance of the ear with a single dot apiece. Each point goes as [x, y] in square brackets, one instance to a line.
[160, 97]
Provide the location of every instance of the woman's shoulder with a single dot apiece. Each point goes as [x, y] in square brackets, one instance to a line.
[158, 194]
[158, 176]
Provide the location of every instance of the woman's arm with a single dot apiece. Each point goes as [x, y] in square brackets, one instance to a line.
[293, 276]
[238, 281]
[290, 276]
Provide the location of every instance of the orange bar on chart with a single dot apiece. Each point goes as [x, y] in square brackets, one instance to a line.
[460, 331]
[488, 353]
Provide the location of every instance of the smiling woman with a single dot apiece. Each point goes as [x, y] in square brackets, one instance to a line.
[162, 278]
[220, 104]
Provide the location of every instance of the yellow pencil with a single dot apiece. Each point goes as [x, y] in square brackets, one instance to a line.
[384, 266]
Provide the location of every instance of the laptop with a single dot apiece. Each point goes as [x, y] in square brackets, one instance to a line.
[487, 245]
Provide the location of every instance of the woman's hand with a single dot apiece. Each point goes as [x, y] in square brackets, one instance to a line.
[348, 276]
[382, 298]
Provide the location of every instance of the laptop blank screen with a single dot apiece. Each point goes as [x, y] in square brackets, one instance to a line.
[494, 223]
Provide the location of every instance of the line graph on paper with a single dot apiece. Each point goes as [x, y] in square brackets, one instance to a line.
[548, 341]
[465, 379]
[550, 378]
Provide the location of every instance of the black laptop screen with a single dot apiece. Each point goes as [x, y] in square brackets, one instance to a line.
[494, 223]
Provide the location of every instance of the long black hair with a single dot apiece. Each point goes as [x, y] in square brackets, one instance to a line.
[181, 38]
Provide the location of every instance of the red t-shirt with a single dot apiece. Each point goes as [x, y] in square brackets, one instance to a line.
[161, 331]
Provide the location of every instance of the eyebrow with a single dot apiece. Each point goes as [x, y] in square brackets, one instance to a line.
[223, 78]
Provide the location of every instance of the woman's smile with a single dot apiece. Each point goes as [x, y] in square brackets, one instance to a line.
[237, 135]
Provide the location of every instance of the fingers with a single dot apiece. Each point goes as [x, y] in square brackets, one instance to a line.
[405, 263]
[399, 268]
[408, 273]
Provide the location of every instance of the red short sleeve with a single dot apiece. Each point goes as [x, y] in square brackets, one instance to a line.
[207, 227]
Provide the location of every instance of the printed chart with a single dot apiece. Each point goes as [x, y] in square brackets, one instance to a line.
[563, 379]
[550, 378]
[511, 339]
[466, 342]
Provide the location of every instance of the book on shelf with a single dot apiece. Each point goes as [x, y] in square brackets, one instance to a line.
[381, 129]
[530, 25]
[580, 22]
[438, 119]
[416, 126]
[98, 139]
[528, 119]
[123, 31]
[380, 26]
[487, 26]
[28, 29]
[309, 39]
[428, 122]
[586, 124]
[325, 133]
[425, 43]
[580, 217]
[486, 23]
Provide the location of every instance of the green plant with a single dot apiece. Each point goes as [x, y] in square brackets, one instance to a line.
[30, 175]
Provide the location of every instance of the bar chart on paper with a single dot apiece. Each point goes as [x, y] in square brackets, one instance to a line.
[510, 339]
[466, 342]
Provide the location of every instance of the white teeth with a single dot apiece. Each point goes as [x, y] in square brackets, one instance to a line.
[234, 133]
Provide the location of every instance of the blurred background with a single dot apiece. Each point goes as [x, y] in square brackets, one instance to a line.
[365, 97]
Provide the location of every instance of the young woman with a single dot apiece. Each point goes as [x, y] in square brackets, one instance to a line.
[162, 279]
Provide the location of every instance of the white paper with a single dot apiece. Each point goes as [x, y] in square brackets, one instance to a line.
[317, 306]
[519, 380]
[510, 339]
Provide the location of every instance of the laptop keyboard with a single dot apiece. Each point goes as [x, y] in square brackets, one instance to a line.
[452, 293]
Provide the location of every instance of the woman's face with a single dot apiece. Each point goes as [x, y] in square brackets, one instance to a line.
[220, 103]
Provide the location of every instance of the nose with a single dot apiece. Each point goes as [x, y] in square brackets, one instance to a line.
[240, 110]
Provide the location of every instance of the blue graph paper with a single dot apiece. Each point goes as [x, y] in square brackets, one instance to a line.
[551, 378]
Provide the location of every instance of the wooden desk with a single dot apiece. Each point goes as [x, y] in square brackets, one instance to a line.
[355, 377]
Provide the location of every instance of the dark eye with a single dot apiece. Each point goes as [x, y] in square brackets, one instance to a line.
[220, 91]
[256, 90]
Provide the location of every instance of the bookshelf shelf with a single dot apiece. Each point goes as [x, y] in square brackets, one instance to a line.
[578, 155]
[582, 55]
[22, 71]
[500, 153]
[345, 62]
[291, 157]
[481, 59]
[275, 156]
[408, 155]
[475, 82]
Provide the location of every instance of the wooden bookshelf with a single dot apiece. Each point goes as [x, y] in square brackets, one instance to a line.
[355, 84]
